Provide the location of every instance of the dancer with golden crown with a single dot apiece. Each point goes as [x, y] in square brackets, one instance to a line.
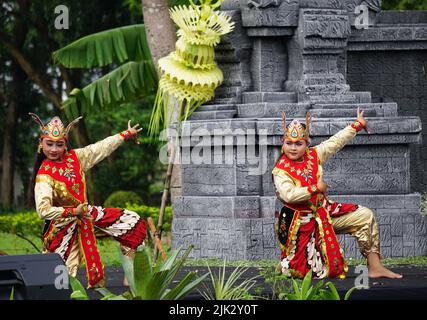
[309, 221]
[71, 225]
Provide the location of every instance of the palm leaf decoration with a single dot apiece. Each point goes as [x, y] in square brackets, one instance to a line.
[189, 75]
[129, 82]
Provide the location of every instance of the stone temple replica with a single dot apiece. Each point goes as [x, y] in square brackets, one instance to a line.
[326, 56]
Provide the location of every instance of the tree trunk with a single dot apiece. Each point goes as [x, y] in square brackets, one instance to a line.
[161, 38]
[14, 101]
[8, 156]
[159, 27]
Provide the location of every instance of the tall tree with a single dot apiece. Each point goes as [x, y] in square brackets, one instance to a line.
[155, 11]
[161, 31]
[12, 101]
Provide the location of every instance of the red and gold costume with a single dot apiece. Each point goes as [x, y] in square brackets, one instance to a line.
[60, 187]
[308, 222]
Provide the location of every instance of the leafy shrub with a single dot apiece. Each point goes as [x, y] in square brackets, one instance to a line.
[118, 199]
[28, 222]
[153, 212]
[25, 223]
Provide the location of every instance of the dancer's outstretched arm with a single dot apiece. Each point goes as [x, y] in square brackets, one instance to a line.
[96, 152]
[328, 148]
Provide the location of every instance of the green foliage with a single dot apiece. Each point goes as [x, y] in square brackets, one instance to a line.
[131, 167]
[153, 212]
[122, 44]
[79, 292]
[229, 290]
[280, 284]
[151, 279]
[119, 199]
[37, 39]
[26, 223]
[303, 290]
[285, 288]
[404, 5]
[22, 224]
[129, 82]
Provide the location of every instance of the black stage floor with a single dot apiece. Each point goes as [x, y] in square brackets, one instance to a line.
[413, 286]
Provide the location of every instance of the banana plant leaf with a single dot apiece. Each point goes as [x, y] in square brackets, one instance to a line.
[118, 45]
[129, 82]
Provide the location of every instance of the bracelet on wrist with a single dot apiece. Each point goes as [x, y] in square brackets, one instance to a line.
[127, 134]
[357, 125]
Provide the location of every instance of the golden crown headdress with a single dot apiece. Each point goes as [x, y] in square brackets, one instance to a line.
[54, 129]
[296, 130]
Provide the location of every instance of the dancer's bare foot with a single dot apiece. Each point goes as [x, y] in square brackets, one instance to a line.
[377, 270]
[383, 272]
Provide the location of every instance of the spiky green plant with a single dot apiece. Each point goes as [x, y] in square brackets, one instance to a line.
[79, 292]
[189, 75]
[303, 290]
[149, 279]
[229, 289]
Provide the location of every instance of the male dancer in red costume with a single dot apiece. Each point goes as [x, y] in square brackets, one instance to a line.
[309, 220]
[71, 225]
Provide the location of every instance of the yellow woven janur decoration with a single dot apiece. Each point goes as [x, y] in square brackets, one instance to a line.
[190, 74]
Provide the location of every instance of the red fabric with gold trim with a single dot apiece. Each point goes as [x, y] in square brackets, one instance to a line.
[94, 267]
[68, 172]
[306, 173]
[132, 238]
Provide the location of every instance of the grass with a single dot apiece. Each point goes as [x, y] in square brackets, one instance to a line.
[108, 249]
[11, 244]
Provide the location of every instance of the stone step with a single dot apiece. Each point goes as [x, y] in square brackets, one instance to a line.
[215, 107]
[219, 100]
[228, 91]
[362, 96]
[340, 113]
[271, 110]
[254, 97]
[208, 115]
[334, 98]
[349, 97]
[383, 109]
[322, 80]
